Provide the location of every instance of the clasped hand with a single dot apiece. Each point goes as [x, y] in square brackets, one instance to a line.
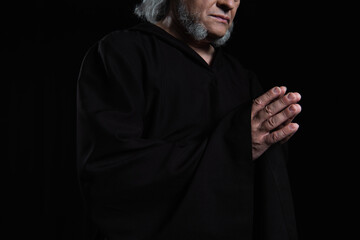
[271, 119]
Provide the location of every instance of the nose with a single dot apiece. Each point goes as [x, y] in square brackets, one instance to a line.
[226, 5]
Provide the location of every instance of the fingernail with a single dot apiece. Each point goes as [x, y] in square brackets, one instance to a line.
[294, 126]
[291, 96]
[276, 90]
[292, 108]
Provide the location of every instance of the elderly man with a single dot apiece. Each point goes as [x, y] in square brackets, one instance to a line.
[175, 138]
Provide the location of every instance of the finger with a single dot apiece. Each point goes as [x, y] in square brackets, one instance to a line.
[260, 102]
[285, 123]
[287, 138]
[283, 90]
[283, 117]
[289, 120]
[278, 105]
[281, 134]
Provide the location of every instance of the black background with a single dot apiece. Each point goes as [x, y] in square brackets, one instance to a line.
[285, 42]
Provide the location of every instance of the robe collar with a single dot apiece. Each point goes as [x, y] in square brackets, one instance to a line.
[152, 29]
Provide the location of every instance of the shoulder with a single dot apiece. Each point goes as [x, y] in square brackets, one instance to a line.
[123, 39]
[119, 53]
[120, 48]
[126, 43]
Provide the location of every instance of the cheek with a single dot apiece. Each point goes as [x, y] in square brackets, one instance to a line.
[198, 7]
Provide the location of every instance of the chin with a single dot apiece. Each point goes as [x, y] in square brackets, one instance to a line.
[218, 30]
[217, 34]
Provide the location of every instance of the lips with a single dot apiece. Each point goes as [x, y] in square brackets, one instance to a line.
[222, 18]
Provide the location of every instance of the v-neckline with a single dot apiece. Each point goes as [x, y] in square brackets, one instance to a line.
[164, 35]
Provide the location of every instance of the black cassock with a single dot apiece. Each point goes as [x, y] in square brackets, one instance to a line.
[164, 145]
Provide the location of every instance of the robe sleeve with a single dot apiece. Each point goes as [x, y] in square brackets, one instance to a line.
[136, 186]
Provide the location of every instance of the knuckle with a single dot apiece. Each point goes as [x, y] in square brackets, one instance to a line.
[275, 137]
[271, 138]
[283, 133]
[256, 140]
[268, 110]
[271, 122]
[283, 101]
[269, 94]
[258, 101]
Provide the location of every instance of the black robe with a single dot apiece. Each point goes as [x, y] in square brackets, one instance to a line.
[164, 145]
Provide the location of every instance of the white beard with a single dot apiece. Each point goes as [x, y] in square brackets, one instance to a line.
[196, 29]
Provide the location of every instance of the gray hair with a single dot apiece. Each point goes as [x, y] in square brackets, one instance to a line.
[152, 10]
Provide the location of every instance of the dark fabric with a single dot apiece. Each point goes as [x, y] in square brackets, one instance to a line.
[164, 144]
